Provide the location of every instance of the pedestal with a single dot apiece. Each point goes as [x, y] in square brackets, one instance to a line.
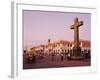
[76, 53]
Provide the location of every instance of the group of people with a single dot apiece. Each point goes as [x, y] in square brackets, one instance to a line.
[52, 56]
[32, 58]
[57, 57]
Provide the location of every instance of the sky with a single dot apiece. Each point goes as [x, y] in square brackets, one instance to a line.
[39, 26]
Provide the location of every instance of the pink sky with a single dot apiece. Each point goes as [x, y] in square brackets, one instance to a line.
[39, 26]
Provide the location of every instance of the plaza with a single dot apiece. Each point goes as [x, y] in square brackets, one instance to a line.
[56, 62]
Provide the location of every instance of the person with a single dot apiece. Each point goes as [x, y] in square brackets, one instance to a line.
[62, 58]
[52, 56]
[33, 58]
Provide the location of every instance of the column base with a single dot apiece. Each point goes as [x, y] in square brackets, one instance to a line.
[76, 54]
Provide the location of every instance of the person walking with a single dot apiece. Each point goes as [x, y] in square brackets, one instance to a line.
[62, 57]
[52, 56]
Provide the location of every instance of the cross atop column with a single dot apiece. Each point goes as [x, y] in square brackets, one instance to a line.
[76, 26]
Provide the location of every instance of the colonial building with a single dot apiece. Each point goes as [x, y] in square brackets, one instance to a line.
[85, 45]
[59, 47]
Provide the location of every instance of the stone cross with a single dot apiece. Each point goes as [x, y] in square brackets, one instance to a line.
[76, 26]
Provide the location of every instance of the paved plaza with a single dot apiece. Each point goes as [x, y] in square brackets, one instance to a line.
[55, 62]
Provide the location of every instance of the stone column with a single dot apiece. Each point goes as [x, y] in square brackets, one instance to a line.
[76, 54]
